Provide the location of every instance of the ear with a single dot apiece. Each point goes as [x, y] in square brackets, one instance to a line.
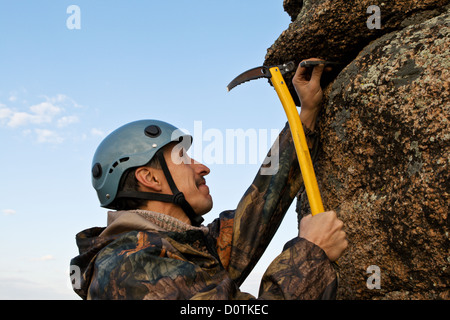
[149, 178]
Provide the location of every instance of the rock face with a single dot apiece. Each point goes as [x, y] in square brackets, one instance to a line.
[385, 134]
[336, 30]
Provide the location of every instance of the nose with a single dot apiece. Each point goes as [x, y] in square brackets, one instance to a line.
[200, 168]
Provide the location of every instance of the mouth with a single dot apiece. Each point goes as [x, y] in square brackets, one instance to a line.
[201, 184]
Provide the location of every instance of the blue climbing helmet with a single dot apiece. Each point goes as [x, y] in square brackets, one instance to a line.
[134, 145]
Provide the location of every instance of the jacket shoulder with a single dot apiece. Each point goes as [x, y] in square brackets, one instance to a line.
[138, 262]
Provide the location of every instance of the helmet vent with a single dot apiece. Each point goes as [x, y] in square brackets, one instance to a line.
[97, 170]
[115, 164]
[152, 131]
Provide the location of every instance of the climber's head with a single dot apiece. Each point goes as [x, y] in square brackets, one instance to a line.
[144, 165]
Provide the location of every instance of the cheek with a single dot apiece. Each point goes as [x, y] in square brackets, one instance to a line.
[184, 181]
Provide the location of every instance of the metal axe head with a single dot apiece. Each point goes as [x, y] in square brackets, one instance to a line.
[259, 72]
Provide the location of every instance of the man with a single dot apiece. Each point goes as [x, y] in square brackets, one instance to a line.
[154, 246]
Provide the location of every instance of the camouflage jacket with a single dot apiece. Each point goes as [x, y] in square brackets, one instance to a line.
[148, 255]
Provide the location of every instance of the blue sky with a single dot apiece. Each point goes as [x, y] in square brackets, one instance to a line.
[63, 90]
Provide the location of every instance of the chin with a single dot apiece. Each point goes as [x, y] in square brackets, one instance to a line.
[205, 208]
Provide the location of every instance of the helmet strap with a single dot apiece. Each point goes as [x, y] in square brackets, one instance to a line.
[176, 197]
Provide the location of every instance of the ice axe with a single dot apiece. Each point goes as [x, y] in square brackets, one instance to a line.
[275, 74]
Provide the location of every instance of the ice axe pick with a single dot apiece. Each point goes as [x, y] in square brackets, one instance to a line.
[275, 74]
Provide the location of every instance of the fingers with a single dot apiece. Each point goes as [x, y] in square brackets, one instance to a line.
[326, 231]
[304, 74]
[338, 238]
[317, 73]
[301, 74]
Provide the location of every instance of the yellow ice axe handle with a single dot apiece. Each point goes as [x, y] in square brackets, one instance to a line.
[301, 146]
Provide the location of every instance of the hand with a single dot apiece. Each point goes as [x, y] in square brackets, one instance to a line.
[326, 231]
[309, 92]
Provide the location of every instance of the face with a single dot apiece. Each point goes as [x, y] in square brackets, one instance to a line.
[189, 177]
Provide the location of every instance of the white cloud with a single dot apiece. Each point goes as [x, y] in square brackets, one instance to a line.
[45, 109]
[48, 136]
[17, 119]
[66, 120]
[97, 132]
[9, 212]
[5, 113]
[62, 99]
[40, 113]
[58, 98]
[43, 112]
[46, 119]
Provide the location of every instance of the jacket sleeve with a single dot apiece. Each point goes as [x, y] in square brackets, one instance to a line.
[301, 272]
[243, 234]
